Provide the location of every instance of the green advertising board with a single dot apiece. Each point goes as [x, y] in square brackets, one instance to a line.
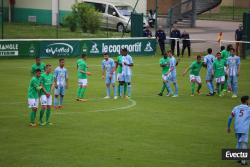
[75, 47]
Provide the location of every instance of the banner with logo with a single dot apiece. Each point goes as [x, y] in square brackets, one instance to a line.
[92, 47]
[135, 46]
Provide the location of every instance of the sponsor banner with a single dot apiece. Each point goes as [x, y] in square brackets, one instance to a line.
[19, 48]
[113, 47]
[59, 48]
[95, 47]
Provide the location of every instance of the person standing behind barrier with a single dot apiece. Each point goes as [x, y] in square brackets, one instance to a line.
[161, 37]
[147, 32]
[185, 43]
[175, 33]
[238, 37]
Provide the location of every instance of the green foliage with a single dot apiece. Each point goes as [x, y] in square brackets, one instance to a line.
[71, 22]
[84, 16]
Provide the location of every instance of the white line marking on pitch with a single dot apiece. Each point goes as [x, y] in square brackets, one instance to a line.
[132, 104]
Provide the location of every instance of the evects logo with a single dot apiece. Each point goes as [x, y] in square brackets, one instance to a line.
[59, 49]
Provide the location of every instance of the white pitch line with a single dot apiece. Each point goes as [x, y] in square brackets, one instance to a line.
[132, 104]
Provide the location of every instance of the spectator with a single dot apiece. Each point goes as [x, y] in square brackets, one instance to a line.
[185, 43]
[175, 33]
[238, 37]
[161, 37]
[147, 32]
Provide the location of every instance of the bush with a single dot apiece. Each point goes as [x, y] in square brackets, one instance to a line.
[71, 22]
[84, 16]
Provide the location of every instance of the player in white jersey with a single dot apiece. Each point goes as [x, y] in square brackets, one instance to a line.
[171, 74]
[127, 63]
[208, 62]
[241, 113]
[61, 83]
[233, 70]
[108, 66]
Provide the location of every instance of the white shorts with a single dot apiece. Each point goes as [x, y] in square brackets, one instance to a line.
[33, 103]
[46, 101]
[195, 78]
[220, 79]
[164, 77]
[82, 82]
[119, 77]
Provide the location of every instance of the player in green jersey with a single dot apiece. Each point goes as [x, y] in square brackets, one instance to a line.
[82, 74]
[164, 64]
[219, 73]
[37, 65]
[194, 76]
[47, 80]
[119, 73]
[224, 56]
[33, 91]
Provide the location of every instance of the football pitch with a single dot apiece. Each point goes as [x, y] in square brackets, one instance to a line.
[144, 131]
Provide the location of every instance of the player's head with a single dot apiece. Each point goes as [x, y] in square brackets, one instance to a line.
[165, 55]
[124, 51]
[218, 55]
[232, 51]
[244, 100]
[209, 50]
[61, 63]
[38, 60]
[84, 56]
[38, 72]
[240, 26]
[48, 68]
[229, 47]
[106, 56]
[198, 58]
[169, 53]
[222, 48]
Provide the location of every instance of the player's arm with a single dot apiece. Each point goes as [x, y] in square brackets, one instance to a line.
[131, 64]
[67, 80]
[229, 121]
[213, 69]
[163, 65]
[85, 72]
[55, 79]
[103, 70]
[238, 67]
[43, 89]
[204, 64]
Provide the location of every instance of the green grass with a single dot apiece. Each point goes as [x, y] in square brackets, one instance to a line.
[156, 132]
[225, 13]
[33, 31]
